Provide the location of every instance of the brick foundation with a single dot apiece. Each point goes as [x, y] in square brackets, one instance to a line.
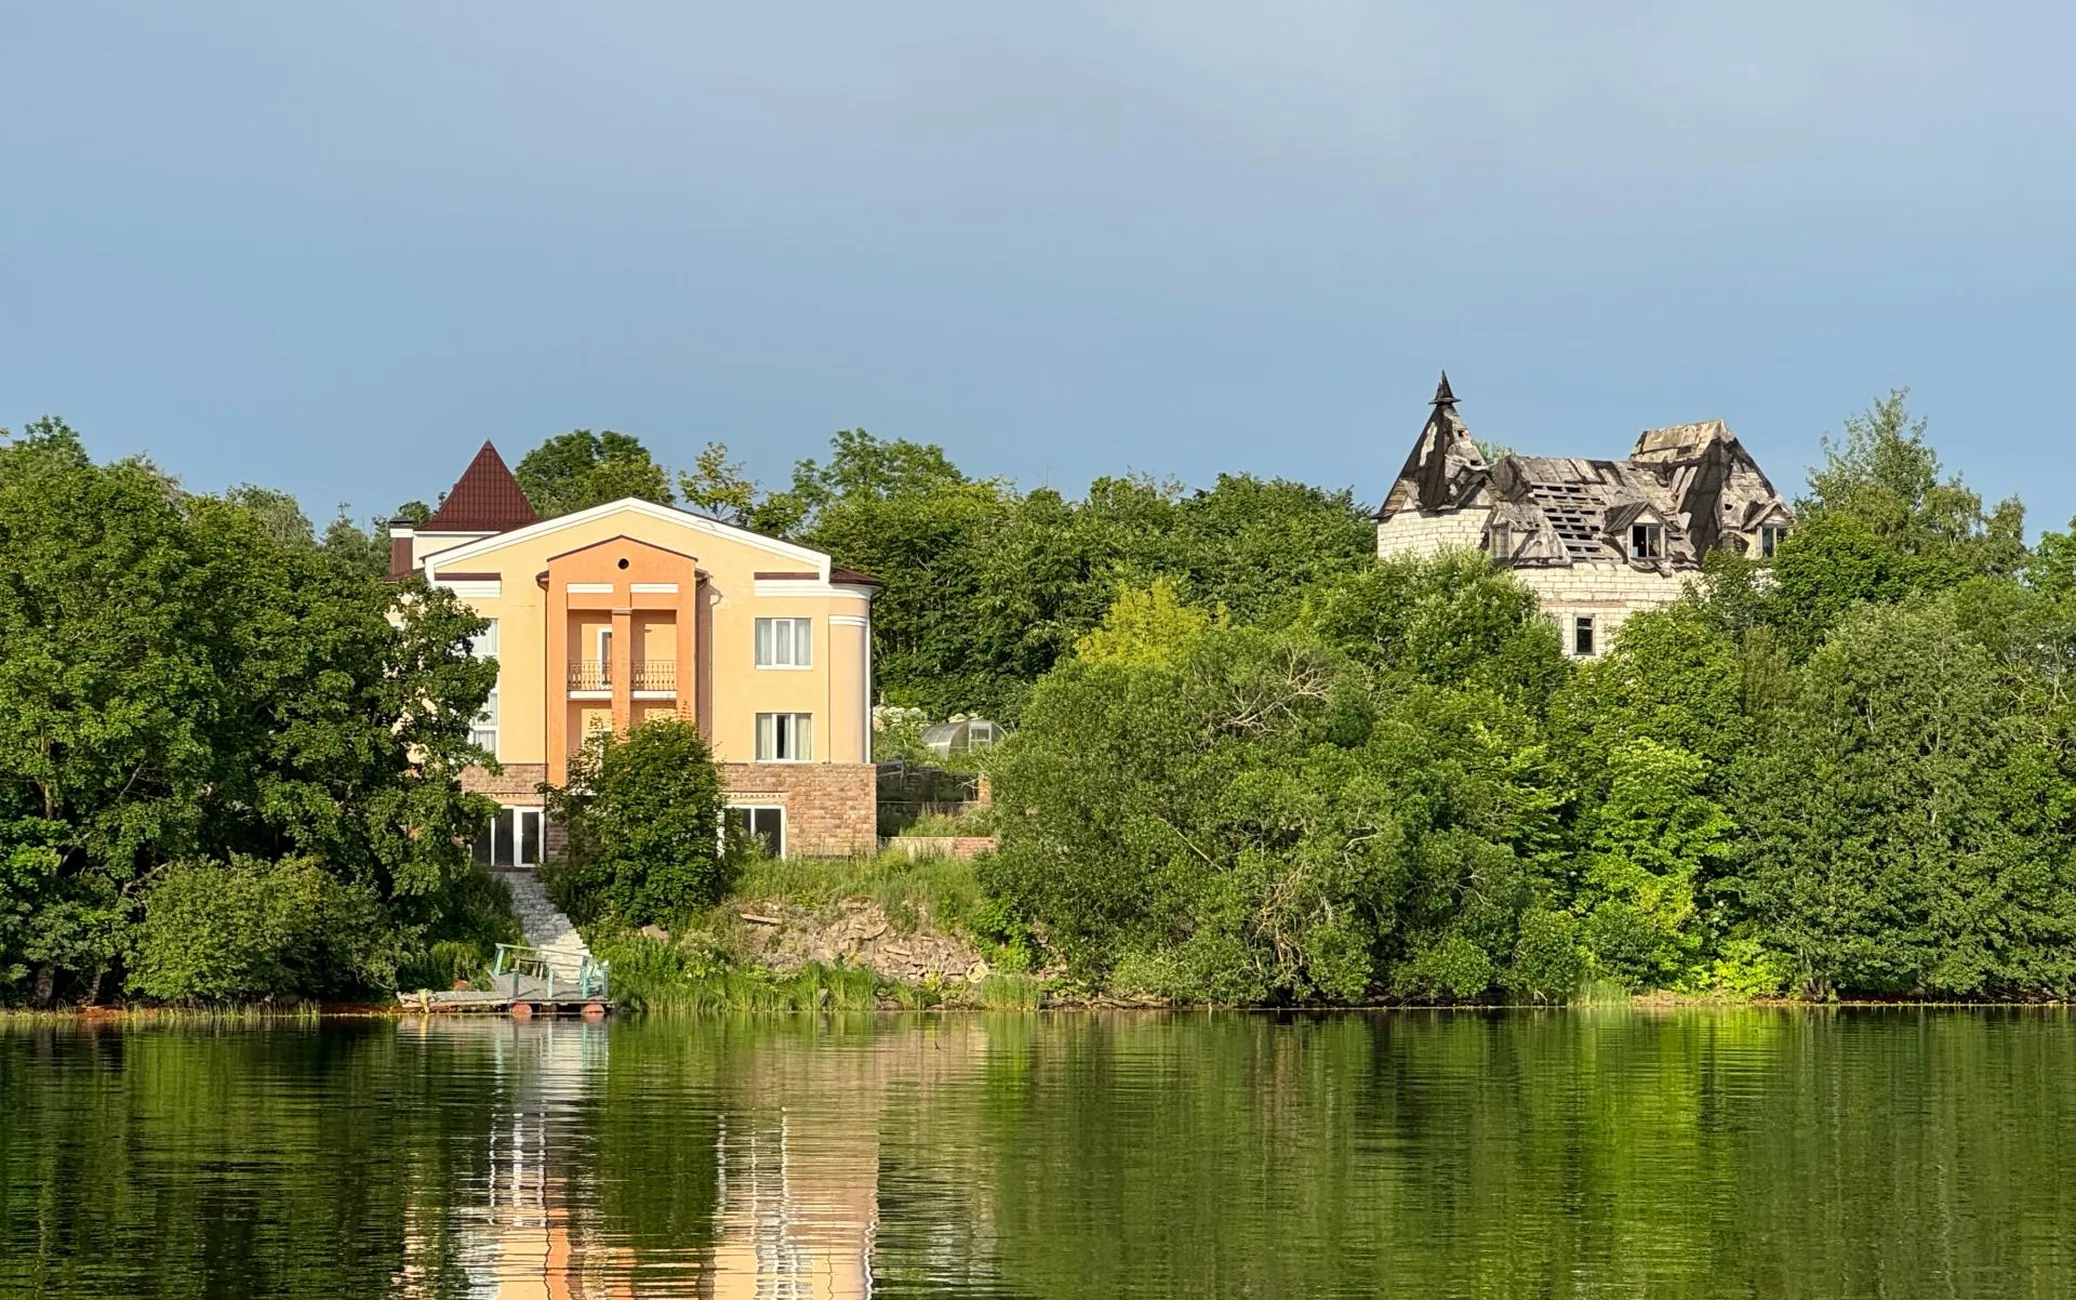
[519, 784]
[832, 809]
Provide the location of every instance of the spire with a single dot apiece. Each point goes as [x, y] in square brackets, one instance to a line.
[1442, 394]
[485, 499]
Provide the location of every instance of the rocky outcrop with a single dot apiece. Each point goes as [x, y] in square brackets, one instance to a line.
[856, 932]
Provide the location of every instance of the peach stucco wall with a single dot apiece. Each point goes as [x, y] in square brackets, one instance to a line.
[713, 569]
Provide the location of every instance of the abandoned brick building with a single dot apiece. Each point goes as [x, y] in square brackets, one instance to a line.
[1597, 540]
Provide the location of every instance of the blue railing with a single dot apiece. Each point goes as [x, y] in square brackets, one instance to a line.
[516, 962]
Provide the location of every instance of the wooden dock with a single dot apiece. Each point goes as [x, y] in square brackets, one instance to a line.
[524, 983]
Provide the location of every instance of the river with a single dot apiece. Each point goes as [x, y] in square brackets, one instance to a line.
[1743, 1152]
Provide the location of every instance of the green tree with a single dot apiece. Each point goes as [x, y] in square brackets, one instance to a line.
[180, 683]
[717, 486]
[643, 813]
[1145, 626]
[580, 469]
[1252, 815]
[1905, 830]
[1649, 845]
[1451, 620]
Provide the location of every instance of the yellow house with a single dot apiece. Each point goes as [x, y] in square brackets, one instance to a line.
[631, 610]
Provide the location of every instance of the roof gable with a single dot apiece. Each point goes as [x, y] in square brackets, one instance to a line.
[485, 499]
[792, 551]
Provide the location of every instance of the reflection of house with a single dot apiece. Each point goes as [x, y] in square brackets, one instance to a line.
[1596, 539]
[798, 1208]
[632, 610]
[517, 1235]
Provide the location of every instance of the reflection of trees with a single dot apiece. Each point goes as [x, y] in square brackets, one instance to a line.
[1679, 1154]
[278, 1162]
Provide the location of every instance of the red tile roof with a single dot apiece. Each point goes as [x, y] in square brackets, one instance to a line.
[485, 499]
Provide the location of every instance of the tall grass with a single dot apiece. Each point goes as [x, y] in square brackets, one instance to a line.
[943, 890]
[239, 1016]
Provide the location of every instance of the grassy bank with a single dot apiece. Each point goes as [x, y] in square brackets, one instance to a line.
[822, 934]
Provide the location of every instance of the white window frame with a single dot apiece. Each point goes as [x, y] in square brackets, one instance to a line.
[604, 642]
[753, 809]
[800, 635]
[1770, 538]
[1646, 540]
[487, 722]
[1589, 625]
[787, 745]
[540, 836]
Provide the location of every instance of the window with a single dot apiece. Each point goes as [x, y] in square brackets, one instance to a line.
[1502, 541]
[1646, 541]
[785, 737]
[763, 827]
[1582, 636]
[1770, 538]
[605, 656]
[512, 839]
[484, 734]
[785, 643]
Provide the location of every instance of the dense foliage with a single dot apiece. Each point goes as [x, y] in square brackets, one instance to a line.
[197, 697]
[580, 469]
[642, 811]
[988, 587]
[1847, 771]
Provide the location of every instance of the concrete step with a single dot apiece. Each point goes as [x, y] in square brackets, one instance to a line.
[548, 931]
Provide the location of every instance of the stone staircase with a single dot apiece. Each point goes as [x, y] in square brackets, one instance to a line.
[548, 931]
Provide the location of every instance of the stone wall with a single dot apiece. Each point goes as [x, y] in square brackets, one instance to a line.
[1610, 593]
[939, 846]
[1415, 532]
[832, 809]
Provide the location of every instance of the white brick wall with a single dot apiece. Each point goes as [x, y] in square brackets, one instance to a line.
[1607, 593]
[1411, 532]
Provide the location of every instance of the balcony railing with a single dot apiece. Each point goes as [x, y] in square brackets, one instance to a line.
[591, 675]
[649, 675]
[656, 675]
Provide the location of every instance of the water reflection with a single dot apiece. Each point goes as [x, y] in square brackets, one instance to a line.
[521, 1241]
[1691, 1154]
[794, 1163]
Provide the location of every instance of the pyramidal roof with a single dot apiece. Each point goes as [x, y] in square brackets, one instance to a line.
[485, 499]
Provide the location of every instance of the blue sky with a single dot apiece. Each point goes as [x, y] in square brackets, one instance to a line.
[331, 247]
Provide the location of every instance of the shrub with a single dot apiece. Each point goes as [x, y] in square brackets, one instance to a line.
[643, 812]
[255, 929]
[474, 916]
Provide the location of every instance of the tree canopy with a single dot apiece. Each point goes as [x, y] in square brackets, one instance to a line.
[191, 684]
[580, 469]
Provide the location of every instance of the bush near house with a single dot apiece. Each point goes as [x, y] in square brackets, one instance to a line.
[642, 809]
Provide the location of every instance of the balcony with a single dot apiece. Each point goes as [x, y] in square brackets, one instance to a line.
[649, 675]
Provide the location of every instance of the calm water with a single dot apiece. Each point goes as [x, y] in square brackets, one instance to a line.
[1734, 1153]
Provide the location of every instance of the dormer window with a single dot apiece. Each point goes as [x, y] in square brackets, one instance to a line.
[1646, 541]
[1770, 538]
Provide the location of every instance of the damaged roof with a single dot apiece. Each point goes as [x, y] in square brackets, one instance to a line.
[1695, 482]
